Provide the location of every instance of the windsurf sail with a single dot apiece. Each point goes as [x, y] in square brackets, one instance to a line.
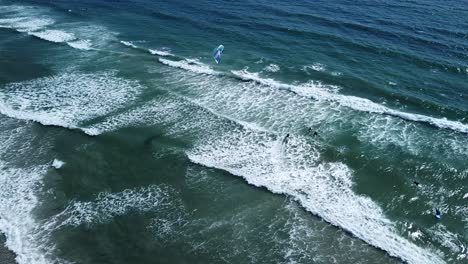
[217, 53]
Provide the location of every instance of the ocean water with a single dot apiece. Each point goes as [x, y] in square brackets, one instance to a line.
[123, 142]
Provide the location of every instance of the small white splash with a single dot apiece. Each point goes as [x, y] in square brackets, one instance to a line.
[413, 199]
[315, 67]
[163, 52]
[465, 196]
[416, 235]
[272, 68]
[57, 164]
[392, 83]
[56, 36]
[128, 44]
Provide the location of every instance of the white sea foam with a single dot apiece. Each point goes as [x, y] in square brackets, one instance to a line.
[129, 44]
[315, 67]
[190, 66]
[250, 105]
[161, 111]
[163, 52]
[90, 36]
[353, 102]
[67, 99]
[416, 235]
[109, 205]
[449, 240]
[465, 196]
[272, 68]
[17, 195]
[23, 18]
[59, 36]
[324, 189]
[26, 24]
[269, 108]
[36, 21]
[57, 164]
[52, 35]
[82, 44]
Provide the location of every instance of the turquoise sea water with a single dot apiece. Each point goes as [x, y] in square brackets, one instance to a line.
[123, 142]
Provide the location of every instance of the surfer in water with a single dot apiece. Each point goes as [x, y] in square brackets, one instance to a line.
[416, 183]
[438, 214]
[313, 134]
[285, 140]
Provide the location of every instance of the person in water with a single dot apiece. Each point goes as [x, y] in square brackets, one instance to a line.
[285, 140]
[416, 183]
[310, 131]
[437, 213]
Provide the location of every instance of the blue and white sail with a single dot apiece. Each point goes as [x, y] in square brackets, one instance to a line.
[217, 53]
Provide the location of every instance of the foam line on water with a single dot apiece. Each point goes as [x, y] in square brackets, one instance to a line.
[162, 52]
[263, 107]
[161, 111]
[245, 124]
[189, 65]
[109, 205]
[24, 18]
[353, 102]
[81, 44]
[325, 189]
[53, 35]
[37, 23]
[129, 44]
[25, 24]
[61, 36]
[67, 99]
[316, 67]
[269, 108]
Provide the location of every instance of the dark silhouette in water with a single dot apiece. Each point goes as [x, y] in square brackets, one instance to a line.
[416, 183]
[285, 140]
[310, 131]
[437, 213]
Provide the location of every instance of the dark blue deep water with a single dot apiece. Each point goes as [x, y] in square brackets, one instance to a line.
[122, 141]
